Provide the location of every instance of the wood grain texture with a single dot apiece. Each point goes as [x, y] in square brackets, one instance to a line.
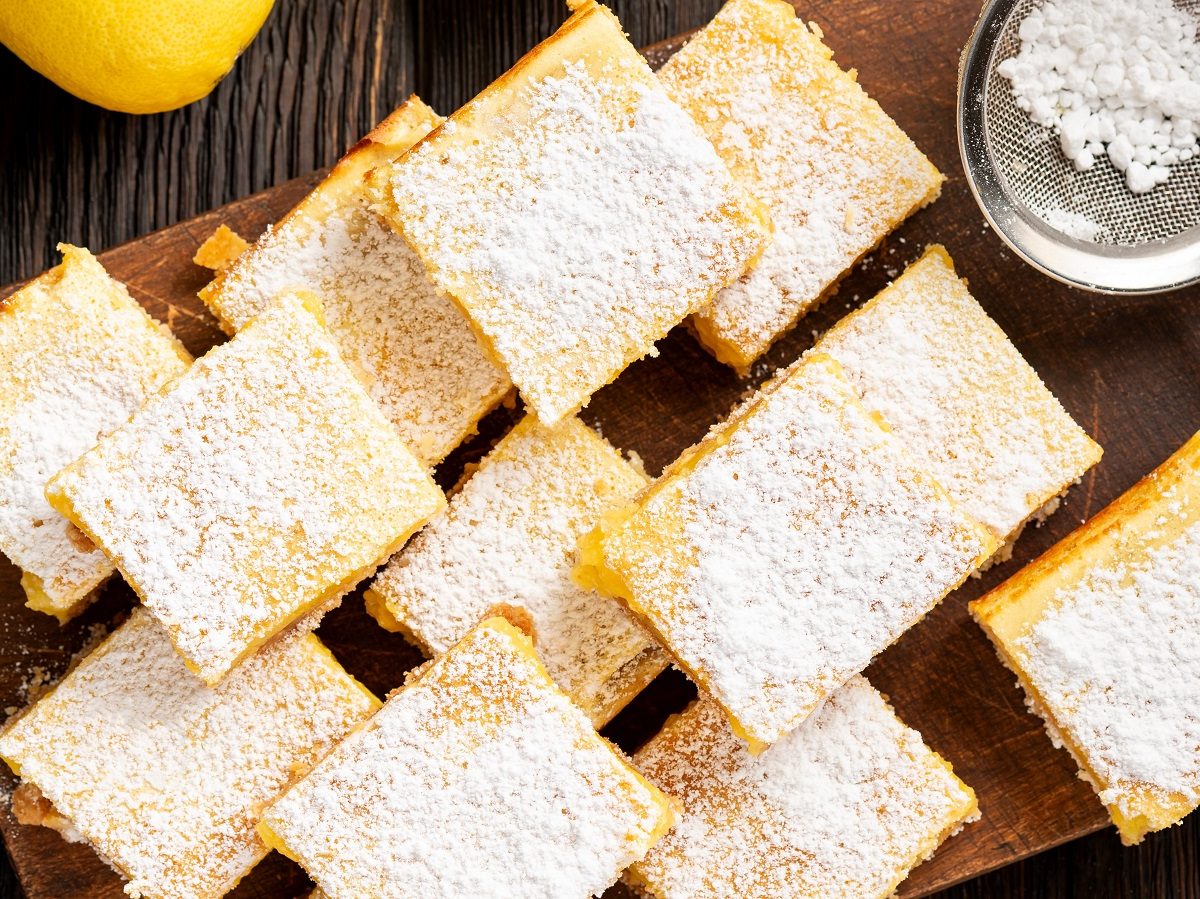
[319, 75]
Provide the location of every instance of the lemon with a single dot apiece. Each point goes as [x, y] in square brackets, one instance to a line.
[132, 55]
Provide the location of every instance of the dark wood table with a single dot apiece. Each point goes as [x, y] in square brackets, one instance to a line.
[317, 77]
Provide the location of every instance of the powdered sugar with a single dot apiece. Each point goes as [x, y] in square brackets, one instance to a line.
[836, 173]
[263, 484]
[421, 360]
[845, 805]
[478, 779]
[1113, 79]
[800, 545]
[575, 212]
[509, 537]
[1072, 224]
[959, 395]
[164, 776]
[1127, 695]
[78, 356]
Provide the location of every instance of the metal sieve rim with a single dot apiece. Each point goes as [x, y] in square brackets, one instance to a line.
[1151, 267]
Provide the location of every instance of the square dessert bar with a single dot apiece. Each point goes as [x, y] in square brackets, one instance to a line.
[166, 777]
[953, 388]
[1101, 633]
[835, 172]
[78, 356]
[478, 778]
[263, 484]
[846, 805]
[574, 211]
[777, 557]
[418, 354]
[508, 538]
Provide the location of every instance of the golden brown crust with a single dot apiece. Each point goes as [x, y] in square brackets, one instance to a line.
[516, 616]
[221, 249]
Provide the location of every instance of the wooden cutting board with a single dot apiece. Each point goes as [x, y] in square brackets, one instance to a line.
[1127, 369]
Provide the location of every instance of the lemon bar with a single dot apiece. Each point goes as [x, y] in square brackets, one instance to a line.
[265, 483]
[846, 805]
[166, 777]
[1101, 633]
[509, 537]
[575, 213]
[954, 389]
[478, 778]
[777, 557]
[78, 356]
[419, 356]
[836, 173]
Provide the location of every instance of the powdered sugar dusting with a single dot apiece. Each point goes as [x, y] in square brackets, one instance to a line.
[166, 777]
[836, 173]
[844, 806]
[509, 536]
[1127, 695]
[1072, 224]
[263, 484]
[960, 397]
[477, 779]
[796, 550]
[78, 356]
[419, 356]
[579, 219]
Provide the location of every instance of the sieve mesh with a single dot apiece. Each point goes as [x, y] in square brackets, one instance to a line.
[1036, 174]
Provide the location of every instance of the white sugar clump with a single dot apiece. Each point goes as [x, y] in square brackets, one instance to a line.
[1112, 78]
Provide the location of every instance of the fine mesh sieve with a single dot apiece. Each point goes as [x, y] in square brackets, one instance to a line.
[1025, 185]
